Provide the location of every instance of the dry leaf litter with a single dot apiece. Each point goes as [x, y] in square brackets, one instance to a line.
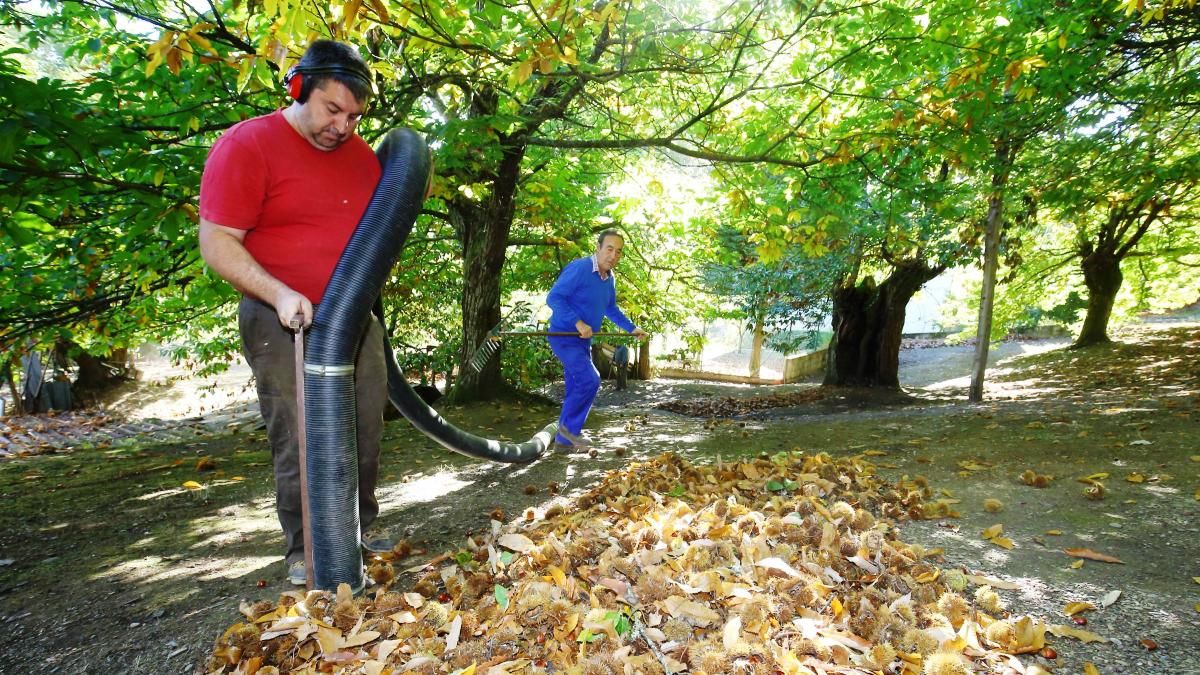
[774, 565]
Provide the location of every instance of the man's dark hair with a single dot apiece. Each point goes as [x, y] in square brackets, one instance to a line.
[610, 232]
[328, 59]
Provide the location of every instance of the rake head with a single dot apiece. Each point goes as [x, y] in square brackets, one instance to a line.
[491, 345]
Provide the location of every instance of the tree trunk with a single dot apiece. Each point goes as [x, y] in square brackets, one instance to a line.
[14, 394]
[643, 371]
[96, 373]
[1102, 275]
[991, 254]
[868, 321]
[484, 229]
[1101, 262]
[756, 348]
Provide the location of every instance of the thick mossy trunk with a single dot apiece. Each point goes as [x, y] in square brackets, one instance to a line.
[97, 374]
[1102, 275]
[1100, 257]
[484, 231]
[867, 324]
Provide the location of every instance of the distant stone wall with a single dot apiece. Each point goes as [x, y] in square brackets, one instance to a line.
[684, 374]
[796, 368]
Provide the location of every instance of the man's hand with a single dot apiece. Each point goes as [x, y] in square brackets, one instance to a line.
[289, 303]
[585, 331]
[641, 335]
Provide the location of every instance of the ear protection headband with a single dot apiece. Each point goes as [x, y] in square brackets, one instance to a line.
[299, 86]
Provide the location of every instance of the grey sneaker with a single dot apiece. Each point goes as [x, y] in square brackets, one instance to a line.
[297, 574]
[377, 541]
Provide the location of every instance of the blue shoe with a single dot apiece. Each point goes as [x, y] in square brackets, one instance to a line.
[297, 574]
[377, 541]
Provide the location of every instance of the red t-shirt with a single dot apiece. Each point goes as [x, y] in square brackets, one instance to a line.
[299, 205]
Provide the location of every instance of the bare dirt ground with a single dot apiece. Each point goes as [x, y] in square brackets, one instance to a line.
[109, 563]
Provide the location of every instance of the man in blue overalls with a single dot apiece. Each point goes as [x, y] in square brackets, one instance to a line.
[584, 294]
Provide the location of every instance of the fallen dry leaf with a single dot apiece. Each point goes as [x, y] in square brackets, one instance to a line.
[515, 542]
[1109, 598]
[1074, 608]
[1092, 555]
[1077, 633]
[994, 583]
[993, 531]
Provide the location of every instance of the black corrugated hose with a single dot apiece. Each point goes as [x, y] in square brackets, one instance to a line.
[329, 409]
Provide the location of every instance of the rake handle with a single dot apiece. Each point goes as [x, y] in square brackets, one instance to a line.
[497, 336]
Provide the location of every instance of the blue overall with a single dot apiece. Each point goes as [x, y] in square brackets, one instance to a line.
[580, 295]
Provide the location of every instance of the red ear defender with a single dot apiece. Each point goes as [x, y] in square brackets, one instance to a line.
[295, 83]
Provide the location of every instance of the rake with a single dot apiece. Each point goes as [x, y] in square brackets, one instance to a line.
[491, 344]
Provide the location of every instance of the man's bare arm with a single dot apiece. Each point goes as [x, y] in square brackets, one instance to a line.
[223, 250]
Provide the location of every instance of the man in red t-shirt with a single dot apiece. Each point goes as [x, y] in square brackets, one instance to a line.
[280, 197]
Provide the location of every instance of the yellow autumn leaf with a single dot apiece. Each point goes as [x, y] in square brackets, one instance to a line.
[380, 9]
[1136, 477]
[1074, 608]
[928, 577]
[524, 70]
[875, 453]
[1196, 579]
[1090, 669]
[836, 606]
[1054, 533]
[1077, 564]
[1029, 635]
[1002, 542]
[199, 41]
[1103, 475]
[328, 638]
[992, 532]
[192, 485]
[973, 465]
[1078, 634]
[358, 639]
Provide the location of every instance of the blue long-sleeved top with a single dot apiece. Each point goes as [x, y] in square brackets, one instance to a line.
[580, 293]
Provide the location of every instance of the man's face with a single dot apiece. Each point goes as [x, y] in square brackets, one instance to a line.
[329, 116]
[609, 253]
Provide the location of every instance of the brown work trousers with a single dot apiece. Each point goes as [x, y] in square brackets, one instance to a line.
[270, 350]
